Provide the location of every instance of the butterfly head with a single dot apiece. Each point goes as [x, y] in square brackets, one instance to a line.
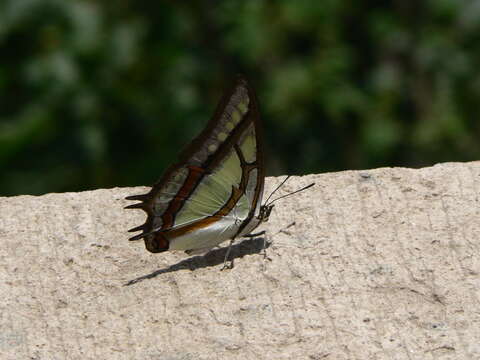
[265, 211]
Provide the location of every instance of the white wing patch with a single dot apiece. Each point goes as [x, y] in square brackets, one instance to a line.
[208, 237]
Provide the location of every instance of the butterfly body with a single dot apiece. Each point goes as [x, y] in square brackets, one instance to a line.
[214, 192]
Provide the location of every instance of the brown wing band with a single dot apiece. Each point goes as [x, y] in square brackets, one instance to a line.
[195, 174]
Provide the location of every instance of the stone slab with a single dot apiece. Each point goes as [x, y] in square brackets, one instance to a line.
[374, 264]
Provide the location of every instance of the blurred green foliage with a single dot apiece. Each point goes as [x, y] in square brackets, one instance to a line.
[105, 93]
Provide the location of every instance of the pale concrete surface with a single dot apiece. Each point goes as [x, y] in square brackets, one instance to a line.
[380, 264]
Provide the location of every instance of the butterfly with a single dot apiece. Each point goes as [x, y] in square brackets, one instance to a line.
[214, 192]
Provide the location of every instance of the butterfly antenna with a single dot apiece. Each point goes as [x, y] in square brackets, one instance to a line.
[278, 187]
[296, 191]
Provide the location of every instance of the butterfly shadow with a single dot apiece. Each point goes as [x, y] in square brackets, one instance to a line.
[212, 258]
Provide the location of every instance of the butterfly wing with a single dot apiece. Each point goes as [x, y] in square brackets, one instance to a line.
[214, 192]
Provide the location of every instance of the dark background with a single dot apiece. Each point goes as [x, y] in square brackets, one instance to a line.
[97, 94]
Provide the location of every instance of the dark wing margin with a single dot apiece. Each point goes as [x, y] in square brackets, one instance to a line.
[196, 161]
[254, 116]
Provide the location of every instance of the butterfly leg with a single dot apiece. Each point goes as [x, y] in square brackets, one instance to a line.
[264, 251]
[226, 265]
[265, 241]
[264, 244]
